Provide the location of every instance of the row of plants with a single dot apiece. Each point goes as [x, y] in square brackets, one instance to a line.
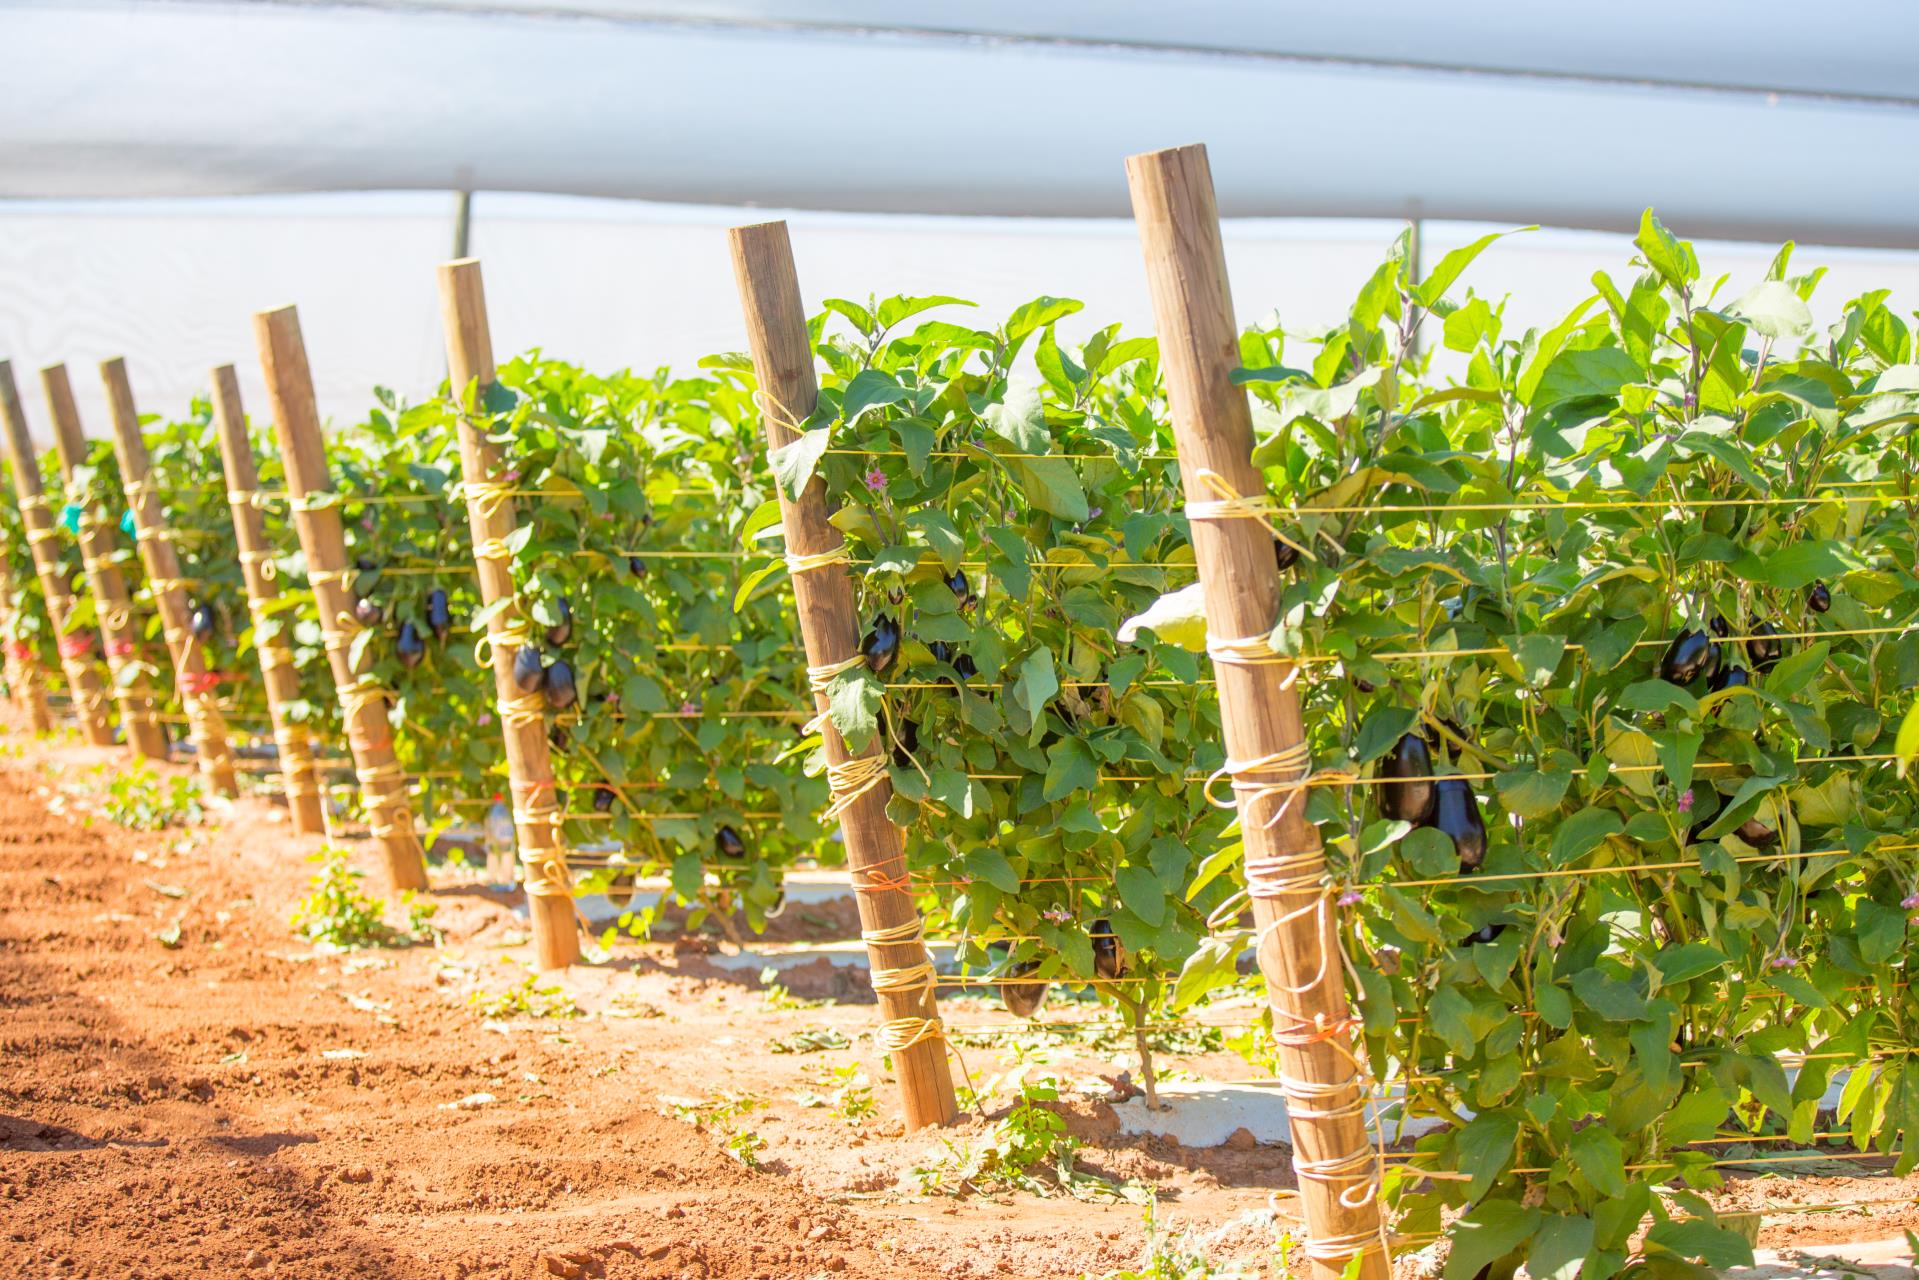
[1615, 618]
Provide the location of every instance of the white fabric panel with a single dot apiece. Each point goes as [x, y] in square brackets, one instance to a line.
[171, 97]
[172, 284]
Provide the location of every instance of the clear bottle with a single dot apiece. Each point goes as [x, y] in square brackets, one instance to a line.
[502, 864]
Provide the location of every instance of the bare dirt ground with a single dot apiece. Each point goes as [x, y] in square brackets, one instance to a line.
[188, 1089]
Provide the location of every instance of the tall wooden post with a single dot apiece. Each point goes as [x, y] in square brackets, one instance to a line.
[27, 690]
[1293, 909]
[76, 648]
[298, 778]
[199, 692]
[363, 701]
[490, 514]
[132, 688]
[889, 919]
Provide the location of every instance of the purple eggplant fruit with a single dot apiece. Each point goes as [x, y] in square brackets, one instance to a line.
[1406, 801]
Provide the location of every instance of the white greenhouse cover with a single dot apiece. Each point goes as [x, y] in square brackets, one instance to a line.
[1746, 118]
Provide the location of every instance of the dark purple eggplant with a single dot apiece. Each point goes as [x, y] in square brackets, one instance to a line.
[1021, 996]
[1763, 647]
[1719, 627]
[1109, 953]
[881, 648]
[365, 564]
[1819, 597]
[1690, 655]
[1729, 677]
[201, 621]
[367, 611]
[409, 646]
[1456, 812]
[1363, 685]
[529, 672]
[909, 742]
[557, 736]
[635, 567]
[1285, 555]
[1756, 833]
[603, 798]
[439, 618]
[562, 631]
[561, 690]
[1489, 933]
[961, 589]
[896, 596]
[964, 665]
[1407, 801]
[1442, 744]
[728, 843]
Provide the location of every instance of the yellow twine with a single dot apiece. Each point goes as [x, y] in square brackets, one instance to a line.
[798, 564]
[262, 561]
[820, 681]
[502, 632]
[523, 709]
[486, 496]
[1232, 505]
[848, 782]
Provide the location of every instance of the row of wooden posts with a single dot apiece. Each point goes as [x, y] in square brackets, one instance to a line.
[1294, 918]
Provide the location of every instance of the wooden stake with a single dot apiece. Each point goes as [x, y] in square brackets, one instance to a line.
[363, 702]
[25, 688]
[199, 693]
[1292, 907]
[132, 688]
[889, 919]
[84, 685]
[298, 777]
[490, 513]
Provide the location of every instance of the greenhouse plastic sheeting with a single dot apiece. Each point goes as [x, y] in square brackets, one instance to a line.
[1749, 120]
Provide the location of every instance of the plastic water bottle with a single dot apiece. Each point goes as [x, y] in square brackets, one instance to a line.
[502, 864]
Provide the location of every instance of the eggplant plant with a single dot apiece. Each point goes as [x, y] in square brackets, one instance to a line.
[1684, 852]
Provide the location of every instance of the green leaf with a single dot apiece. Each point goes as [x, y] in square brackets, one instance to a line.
[1905, 747]
[1533, 793]
[1670, 256]
[764, 517]
[795, 462]
[1486, 1146]
[1598, 1155]
[1383, 728]
[1036, 683]
[1688, 961]
[1611, 999]
[1560, 1246]
[1020, 419]
[1051, 485]
[1580, 834]
[853, 702]
[1801, 564]
[1773, 308]
[1440, 279]
[1696, 1238]
[987, 863]
[1487, 1234]
[1141, 893]
[1576, 375]
[1537, 656]
[1071, 766]
[940, 535]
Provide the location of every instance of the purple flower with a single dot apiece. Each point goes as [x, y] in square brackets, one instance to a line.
[1058, 915]
[1785, 962]
[486, 719]
[1350, 898]
[1093, 512]
[875, 479]
[1910, 901]
[1685, 800]
[689, 708]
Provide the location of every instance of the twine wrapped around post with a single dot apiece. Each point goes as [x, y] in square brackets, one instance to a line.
[490, 515]
[1321, 1072]
[199, 691]
[816, 555]
[298, 778]
[132, 683]
[84, 685]
[363, 705]
[28, 690]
